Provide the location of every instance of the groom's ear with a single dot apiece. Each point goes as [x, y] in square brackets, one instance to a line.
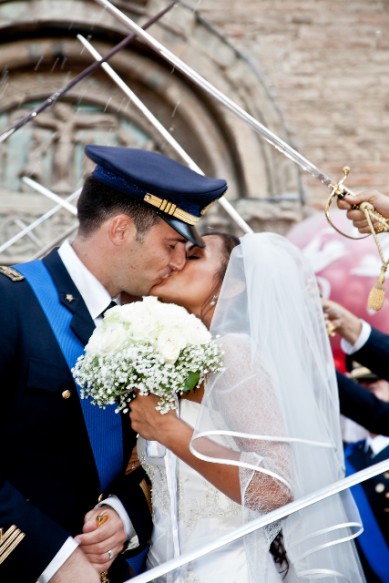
[121, 229]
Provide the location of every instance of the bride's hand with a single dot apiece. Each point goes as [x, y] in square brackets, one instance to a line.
[149, 422]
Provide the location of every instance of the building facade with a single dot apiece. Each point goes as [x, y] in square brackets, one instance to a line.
[313, 72]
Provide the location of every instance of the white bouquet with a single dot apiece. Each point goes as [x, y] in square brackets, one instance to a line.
[147, 345]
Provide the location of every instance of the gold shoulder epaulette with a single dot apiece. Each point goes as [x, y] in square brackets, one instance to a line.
[11, 273]
[9, 540]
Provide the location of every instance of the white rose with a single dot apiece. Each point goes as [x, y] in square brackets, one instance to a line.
[177, 314]
[144, 326]
[137, 318]
[107, 340]
[127, 312]
[196, 332]
[151, 321]
[170, 313]
[169, 345]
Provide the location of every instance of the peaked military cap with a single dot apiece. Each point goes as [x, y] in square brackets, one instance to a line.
[179, 195]
[360, 373]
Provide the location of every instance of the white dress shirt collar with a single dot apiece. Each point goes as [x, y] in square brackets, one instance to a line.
[94, 294]
[377, 443]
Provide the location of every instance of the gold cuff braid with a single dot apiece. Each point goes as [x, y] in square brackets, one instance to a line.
[9, 540]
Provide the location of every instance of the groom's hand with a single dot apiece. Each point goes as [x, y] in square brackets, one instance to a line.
[102, 537]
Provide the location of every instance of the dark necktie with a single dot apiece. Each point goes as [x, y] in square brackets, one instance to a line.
[368, 453]
[112, 304]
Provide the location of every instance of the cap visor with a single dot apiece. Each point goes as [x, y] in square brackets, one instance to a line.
[364, 377]
[187, 231]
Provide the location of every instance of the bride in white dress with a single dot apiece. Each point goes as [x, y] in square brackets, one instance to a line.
[202, 510]
[261, 433]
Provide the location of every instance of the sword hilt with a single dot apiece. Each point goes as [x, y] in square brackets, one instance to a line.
[339, 189]
[377, 294]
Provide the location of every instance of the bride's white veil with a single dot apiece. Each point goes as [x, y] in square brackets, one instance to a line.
[274, 410]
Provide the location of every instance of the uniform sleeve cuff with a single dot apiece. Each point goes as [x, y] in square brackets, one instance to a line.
[361, 341]
[56, 563]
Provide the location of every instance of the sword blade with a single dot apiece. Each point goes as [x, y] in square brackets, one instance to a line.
[50, 194]
[278, 514]
[190, 73]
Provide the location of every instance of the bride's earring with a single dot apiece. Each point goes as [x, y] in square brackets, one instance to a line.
[213, 301]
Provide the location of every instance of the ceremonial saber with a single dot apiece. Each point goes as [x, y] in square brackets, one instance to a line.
[253, 525]
[38, 221]
[51, 195]
[83, 75]
[42, 252]
[269, 136]
[162, 130]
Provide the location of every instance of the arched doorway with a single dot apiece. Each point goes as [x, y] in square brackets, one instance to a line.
[39, 58]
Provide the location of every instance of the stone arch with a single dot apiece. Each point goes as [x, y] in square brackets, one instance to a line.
[38, 58]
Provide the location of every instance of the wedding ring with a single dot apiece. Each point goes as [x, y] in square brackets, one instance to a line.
[110, 554]
[380, 227]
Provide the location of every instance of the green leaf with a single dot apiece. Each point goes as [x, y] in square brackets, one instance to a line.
[191, 381]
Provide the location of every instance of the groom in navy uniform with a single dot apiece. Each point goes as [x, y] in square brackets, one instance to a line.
[68, 507]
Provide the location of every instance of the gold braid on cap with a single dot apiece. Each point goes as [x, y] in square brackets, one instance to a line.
[171, 209]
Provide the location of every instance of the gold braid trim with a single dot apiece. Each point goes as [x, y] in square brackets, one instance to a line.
[171, 209]
[9, 541]
[11, 273]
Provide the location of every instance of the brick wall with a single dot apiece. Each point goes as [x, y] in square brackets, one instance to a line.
[326, 64]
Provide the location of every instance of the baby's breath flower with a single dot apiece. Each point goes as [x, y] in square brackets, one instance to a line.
[154, 347]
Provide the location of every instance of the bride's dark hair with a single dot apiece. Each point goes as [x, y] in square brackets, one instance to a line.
[278, 552]
[229, 242]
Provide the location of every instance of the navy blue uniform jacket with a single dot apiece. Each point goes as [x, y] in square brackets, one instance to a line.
[48, 477]
[355, 401]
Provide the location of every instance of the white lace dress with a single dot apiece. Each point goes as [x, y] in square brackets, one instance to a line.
[203, 514]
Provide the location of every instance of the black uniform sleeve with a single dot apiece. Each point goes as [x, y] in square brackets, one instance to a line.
[361, 406]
